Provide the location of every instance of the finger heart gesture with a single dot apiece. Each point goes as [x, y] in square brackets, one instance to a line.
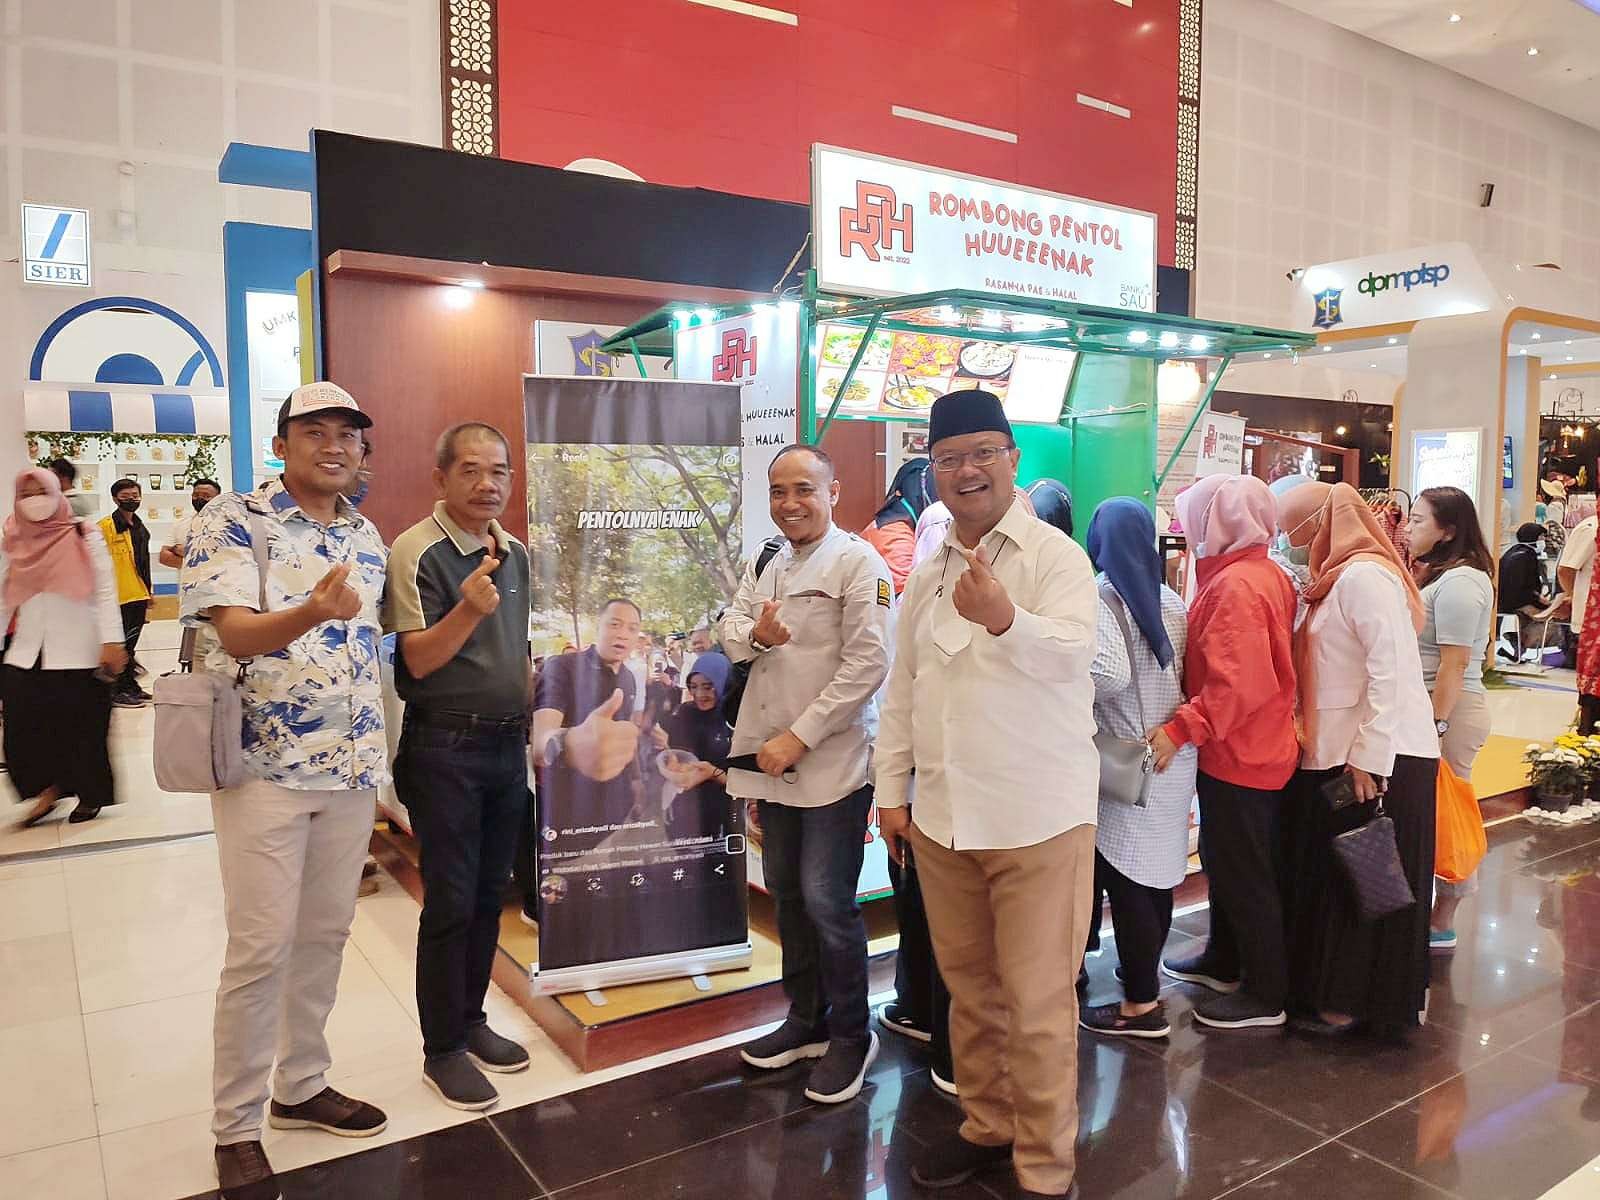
[980, 597]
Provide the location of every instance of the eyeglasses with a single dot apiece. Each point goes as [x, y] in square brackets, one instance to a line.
[983, 456]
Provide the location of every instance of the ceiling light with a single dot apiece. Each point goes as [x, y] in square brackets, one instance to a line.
[1455, 18]
[682, 316]
[1198, 343]
[1569, 358]
[1537, 335]
[1394, 341]
[1523, 350]
[1532, 51]
[706, 314]
[1267, 355]
[457, 297]
[1549, 376]
[1327, 349]
[1339, 431]
[1372, 364]
[472, 283]
[1168, 340]
[1138, 337]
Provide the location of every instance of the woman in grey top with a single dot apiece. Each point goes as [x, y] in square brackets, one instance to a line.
[1141, 854]
[1454, 568]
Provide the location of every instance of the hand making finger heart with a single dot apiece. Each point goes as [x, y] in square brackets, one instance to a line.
[980, 597]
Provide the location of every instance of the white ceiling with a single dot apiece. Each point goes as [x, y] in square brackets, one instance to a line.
[1490, 43]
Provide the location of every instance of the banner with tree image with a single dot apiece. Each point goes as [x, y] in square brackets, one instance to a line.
[634, 528]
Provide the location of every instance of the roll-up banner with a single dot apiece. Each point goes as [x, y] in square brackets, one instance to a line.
[634, 535]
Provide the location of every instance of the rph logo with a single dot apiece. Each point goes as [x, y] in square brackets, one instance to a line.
[872, 223]
[738, 357]
[1208, 447]
[1416, 277]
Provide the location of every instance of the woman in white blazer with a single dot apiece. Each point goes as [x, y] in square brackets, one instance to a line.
[56, 581]
[1365, 713]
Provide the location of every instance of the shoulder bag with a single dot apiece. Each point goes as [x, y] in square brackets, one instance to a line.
[199, 738]
[1127, 765]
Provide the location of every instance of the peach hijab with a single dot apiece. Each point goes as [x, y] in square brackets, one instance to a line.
[1347, 532]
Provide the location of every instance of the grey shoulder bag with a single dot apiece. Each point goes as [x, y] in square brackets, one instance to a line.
[1127, 765]
[199, 738]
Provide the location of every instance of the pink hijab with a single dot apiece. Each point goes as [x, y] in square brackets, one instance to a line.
[1224, 513]
[45, 556]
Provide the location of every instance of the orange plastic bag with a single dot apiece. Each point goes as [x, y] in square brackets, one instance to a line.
[1459, 840]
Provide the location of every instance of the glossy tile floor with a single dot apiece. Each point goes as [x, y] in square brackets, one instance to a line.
[1497, 1098]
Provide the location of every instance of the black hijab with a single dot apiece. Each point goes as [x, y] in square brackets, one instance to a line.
[911, 492]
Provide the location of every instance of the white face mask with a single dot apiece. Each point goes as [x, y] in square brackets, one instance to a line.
[37, 508]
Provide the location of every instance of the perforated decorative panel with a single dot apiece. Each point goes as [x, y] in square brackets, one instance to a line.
[467, 39]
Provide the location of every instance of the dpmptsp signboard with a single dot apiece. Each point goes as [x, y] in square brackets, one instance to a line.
[882, 227]
[55, 245]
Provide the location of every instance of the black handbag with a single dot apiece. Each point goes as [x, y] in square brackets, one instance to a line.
[733, 694]
[1369, 858]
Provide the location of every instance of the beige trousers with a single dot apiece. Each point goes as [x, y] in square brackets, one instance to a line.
[1469, 730]
[291, 867]
[1009, 927]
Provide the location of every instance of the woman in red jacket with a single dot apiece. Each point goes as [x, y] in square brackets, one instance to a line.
[1239, 673]
[893, 532]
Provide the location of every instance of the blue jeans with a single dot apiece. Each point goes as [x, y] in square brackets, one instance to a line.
[811, 858]
[465, 792]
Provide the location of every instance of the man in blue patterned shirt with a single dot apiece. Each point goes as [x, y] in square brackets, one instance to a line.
[293, 837]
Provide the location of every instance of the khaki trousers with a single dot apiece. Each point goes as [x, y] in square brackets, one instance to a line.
[1009, 927]
[291, 866]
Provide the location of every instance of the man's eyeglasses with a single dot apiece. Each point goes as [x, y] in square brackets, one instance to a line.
[983, 456]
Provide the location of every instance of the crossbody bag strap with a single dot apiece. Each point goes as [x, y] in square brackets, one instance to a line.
[1114, 603]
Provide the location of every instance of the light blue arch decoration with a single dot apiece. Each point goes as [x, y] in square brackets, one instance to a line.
[36, 366]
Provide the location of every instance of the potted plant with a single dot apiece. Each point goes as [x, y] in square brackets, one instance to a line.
[1556, 773]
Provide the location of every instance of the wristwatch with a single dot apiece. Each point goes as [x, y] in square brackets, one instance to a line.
[554, 747]
[1441, 726]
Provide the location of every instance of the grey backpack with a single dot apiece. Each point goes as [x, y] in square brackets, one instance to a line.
[199, 742]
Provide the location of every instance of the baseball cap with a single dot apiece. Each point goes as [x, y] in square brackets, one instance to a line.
[310, 398]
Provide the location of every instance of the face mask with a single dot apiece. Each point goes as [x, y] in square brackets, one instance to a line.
[198, 504]
[128, 506]
[37, 508]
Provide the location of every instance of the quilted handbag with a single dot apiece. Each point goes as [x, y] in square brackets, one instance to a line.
[1369, 858]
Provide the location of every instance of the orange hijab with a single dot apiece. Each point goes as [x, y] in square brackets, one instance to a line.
[1346, 532]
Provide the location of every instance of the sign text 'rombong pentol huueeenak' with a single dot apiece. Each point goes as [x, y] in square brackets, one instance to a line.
[634, 497]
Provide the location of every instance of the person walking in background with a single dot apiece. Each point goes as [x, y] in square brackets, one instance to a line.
[893, 531]
[1366, 715]
[1141, 853]
[1051, 503]
[292, 838]
[1447, 546]
[201, 493]
[815, 627]
[457, 602]
[56, 581]
[1239, 673]
[128, 539]
[67, 474]
[994, 649]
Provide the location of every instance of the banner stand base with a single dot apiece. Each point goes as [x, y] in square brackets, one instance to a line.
[595, 977]
[595, 997]
[701, 983]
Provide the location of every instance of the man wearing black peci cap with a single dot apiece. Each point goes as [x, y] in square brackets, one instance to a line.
[458, 601]
[996, 637]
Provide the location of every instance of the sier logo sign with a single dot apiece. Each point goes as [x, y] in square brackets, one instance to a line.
[55, 245]
[738, 357]
[873, 222]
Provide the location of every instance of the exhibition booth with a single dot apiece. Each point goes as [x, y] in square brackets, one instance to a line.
[918, 282]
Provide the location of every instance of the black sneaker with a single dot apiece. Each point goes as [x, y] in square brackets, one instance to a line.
[495, 1053]
[459, 1083]
[1198, 970]
[245, 1174]
[126, 700]
[332, 1112]
[839, 1075]
[895, 1019]
[1108, 1019]
[950, 1162]
[83, 813]
[784, 1046]
[1238, 1010]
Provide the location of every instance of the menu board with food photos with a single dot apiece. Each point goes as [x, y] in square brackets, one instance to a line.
[902, 374]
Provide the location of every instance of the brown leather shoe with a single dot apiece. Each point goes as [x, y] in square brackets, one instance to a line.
[245, 1174]
[331, 1112]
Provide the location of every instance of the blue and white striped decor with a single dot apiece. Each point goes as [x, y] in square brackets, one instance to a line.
[51, 408]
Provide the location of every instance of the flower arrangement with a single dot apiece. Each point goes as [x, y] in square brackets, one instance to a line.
[1563, 769]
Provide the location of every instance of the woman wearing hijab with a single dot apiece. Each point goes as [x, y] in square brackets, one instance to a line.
[1052, 503]
[1366, 714]
[58, 584]
[701, 807]
[1141, 854]
[893, 532]
[1238, 670]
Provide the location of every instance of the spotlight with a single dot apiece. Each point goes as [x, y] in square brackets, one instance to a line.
[1168, 340]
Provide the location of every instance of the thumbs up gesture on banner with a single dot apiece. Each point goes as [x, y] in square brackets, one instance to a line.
[602, 745]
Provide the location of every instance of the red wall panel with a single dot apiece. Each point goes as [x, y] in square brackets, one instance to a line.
[687, 95]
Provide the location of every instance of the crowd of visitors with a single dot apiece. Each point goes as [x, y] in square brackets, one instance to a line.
[1314, 681]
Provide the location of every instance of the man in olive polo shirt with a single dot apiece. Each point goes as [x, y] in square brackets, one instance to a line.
[458, 599]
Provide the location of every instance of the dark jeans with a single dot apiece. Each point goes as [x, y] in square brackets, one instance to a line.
[465, 792]
[918, 986]
[1142, 918]
[1241, 830]
[811, 858]
[133, 614]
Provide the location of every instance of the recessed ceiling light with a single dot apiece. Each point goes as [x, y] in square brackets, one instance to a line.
[1532, 50]
[1455, 18]
[1569, 341]
[1372, 364]
[1569, 358]
[1394, 341]
[1549, 376]
[1138, 337]
[1168, 340]
[1327, 349]
[1339, 431]
[1267, 355]
[1537, 335]
[1522, 350]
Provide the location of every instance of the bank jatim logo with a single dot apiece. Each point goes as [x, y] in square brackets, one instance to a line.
[738, 357]
[873, 222]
